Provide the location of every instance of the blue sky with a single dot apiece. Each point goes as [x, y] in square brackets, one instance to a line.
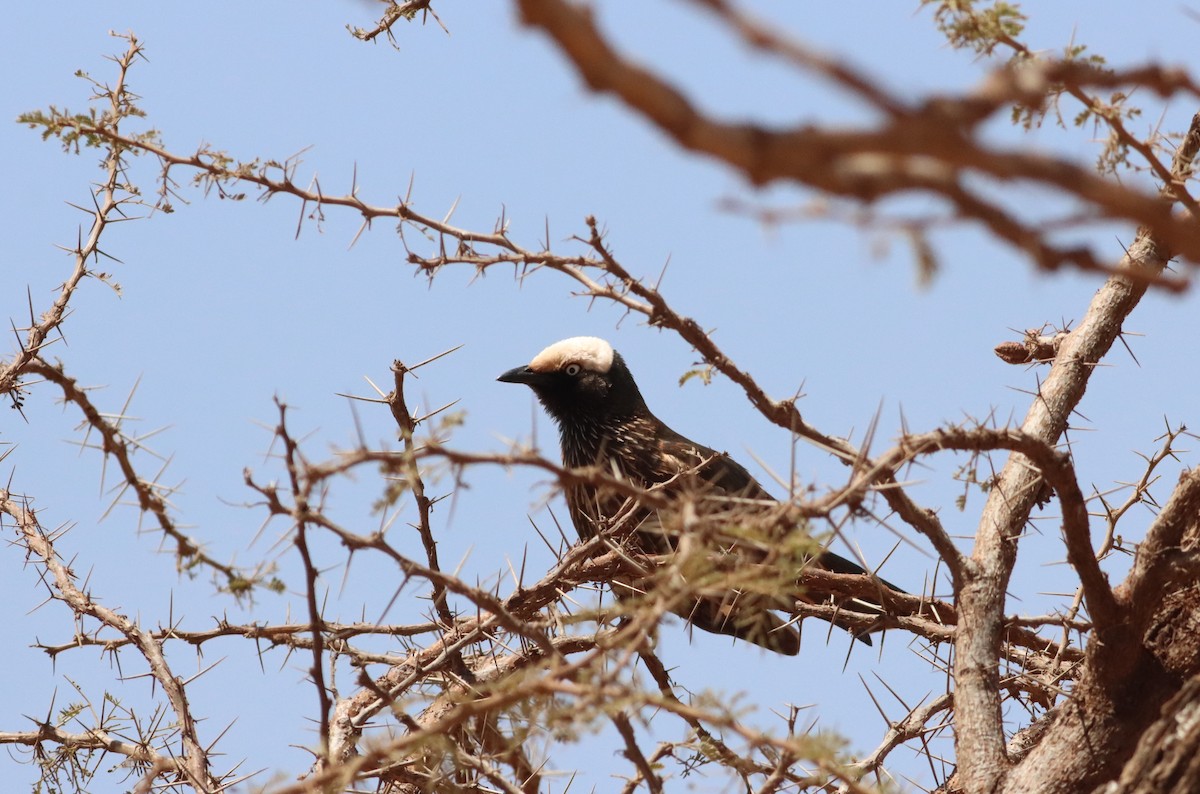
[223, 307]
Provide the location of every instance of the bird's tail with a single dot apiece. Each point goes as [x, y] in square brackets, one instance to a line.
[746, 617]
[837, 564]
[752, 616]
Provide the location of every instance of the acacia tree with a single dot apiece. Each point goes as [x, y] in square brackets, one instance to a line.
[1109, 680]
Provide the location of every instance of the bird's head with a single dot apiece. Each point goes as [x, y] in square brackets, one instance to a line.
[580, 380]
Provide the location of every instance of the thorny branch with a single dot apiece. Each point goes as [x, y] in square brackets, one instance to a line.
[615, 284]
[924, 148]
[516, 609]
[980, 592]
[304, 507]
[868, 475]
[489, 657]
[151, 495]
[109, 201]
[913, 726]
[190, 759]
[415, 482]
[394, 13]
[62, 584]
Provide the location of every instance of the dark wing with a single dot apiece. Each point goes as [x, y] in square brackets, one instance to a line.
[747, 613]
[662, 457]
[724, 474]
[726, 477]
[729, 477]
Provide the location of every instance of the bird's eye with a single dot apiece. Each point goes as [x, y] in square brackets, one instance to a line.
[572, 369]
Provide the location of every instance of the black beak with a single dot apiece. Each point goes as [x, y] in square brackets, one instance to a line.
[522, 375]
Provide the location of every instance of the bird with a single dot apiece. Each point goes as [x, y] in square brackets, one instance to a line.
[604, 423]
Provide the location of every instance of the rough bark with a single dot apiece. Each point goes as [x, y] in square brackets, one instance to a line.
[1167, 759]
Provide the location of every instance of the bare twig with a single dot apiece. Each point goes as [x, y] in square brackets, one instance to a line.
[194, 763]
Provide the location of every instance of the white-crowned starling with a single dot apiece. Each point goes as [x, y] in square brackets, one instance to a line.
[604, 423]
